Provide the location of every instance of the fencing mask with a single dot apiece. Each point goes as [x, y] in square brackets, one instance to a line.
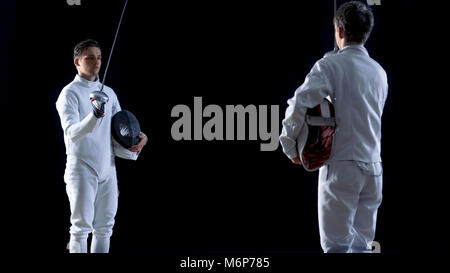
[125, 128]
[316, 136]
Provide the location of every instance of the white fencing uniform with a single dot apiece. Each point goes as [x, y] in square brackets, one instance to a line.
[90, 174]
[351, 181]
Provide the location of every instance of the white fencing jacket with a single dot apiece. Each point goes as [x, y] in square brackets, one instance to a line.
[85, 136]
[357, 86]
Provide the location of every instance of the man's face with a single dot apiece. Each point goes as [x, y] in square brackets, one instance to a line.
[88, 65]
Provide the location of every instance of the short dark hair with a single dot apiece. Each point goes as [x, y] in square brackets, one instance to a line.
[82, 46]
[356, 19]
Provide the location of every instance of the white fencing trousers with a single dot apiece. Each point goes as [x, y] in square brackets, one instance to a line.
[93, 205]
[349, 195]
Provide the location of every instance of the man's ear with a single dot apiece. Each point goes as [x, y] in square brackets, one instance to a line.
[76, 61]
[341, 32]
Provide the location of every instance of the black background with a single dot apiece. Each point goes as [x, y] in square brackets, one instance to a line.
[219, 195]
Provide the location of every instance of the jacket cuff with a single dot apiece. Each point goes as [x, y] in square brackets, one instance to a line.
[289, 146]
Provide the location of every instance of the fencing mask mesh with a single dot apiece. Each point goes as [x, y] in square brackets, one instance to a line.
[125, 128]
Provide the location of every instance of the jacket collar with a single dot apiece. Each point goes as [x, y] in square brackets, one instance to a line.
[87, 83]
[355, 49]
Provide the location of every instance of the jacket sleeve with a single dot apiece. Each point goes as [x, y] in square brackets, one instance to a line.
[314, 89]
[73, 127]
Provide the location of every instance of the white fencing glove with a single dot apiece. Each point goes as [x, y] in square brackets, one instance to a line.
[98, 101]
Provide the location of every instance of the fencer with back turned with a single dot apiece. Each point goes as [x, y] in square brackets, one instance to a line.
[350, 182]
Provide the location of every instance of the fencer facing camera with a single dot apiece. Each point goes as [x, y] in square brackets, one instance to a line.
[86, 108]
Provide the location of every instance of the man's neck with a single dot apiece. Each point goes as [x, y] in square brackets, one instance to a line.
[87, 77]
[350, 44]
